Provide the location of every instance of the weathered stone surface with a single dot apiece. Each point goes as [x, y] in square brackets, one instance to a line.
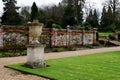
[1, 38]
[51, 37]
[35, 56]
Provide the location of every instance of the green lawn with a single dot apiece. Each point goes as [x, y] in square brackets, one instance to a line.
[105, 33]
[104, 66]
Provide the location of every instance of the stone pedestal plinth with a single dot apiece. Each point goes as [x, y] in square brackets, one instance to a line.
[35, 56]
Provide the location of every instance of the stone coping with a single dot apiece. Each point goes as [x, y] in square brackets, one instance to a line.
[35, 45]
[35, 24]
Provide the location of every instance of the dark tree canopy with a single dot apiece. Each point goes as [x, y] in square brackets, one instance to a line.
[111, 20]
[75, 11]
[68, 17]
[34, 12]
[114, 4]
[79, 4]
[103, 17]
[95, 19]
[10, 15]
[106, 18]
[89, 18]
[92, 18]
[110, 16]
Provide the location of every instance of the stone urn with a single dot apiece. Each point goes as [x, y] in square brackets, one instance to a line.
[35, 30]
[35, 50]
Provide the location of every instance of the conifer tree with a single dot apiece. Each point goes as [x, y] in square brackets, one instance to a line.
[92, 18]
[95, 19]
[89, 18]
[109, 16]
[10, 15]
[76, 14]
[103, 18]
[68, 16]
[34, 12]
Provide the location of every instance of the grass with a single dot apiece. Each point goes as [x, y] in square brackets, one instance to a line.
[104, 66]
[105, 33]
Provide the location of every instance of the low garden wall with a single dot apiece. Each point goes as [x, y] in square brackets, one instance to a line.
[18, 36]
[66, 37]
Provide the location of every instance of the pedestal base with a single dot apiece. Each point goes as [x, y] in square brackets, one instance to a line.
[34, 65]
[35, 56]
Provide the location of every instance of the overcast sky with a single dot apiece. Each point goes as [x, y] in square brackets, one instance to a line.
[97, 3]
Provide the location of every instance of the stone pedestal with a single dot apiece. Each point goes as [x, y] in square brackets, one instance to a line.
[35, 56]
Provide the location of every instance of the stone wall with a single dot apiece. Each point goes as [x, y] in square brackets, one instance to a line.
[64, 38]
[1, 38]
[13, 37]
[10, 36]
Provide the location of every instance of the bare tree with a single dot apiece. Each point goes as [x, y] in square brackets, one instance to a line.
[114, 4]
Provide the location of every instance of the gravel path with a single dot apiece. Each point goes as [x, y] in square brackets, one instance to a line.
[8, 74]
